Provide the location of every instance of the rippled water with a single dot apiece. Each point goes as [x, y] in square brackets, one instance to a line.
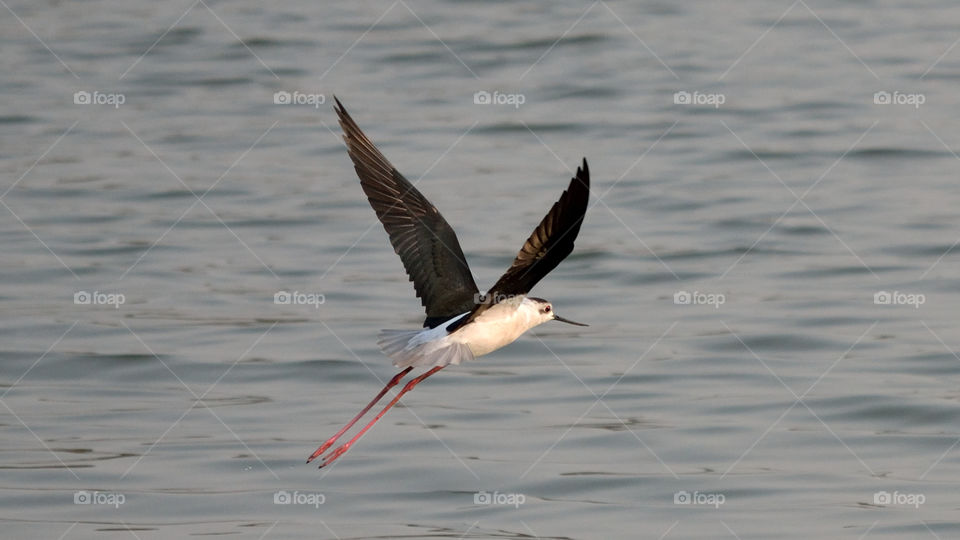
[782, 201]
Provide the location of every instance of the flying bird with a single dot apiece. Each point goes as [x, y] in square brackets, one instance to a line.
[461, 323]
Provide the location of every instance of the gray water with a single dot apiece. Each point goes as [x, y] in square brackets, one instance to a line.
[783, 401]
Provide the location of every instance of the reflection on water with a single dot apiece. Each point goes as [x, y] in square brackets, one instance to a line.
[144, 156]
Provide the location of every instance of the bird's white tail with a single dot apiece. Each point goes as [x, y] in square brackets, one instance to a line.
[414, 348]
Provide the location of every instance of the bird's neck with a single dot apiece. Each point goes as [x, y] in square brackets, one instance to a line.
[528, 312]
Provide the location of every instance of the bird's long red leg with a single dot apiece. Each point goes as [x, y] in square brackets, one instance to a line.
[393, 382]
[346, 446]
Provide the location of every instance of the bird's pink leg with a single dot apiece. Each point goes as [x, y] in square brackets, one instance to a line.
[346, 446]
[393, 382]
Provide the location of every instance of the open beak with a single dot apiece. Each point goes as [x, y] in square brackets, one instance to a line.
[568, 321]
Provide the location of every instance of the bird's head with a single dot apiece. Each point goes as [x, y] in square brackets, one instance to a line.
[545, 312]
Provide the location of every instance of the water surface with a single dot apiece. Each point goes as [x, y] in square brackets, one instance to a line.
[780, 201]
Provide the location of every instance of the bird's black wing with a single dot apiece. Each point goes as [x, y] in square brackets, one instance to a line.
[424, 240]
[549, 244]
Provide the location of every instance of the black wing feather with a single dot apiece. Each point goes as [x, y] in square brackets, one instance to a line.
[549, 244]
[424, 241]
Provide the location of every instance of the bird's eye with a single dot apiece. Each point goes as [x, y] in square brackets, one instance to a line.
[546, 309]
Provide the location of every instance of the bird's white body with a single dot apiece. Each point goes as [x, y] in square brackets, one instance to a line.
[496, 327]
[500, 325]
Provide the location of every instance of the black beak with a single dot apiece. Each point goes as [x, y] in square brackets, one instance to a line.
[568, 321]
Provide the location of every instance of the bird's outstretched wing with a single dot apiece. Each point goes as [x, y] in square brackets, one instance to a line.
[424, 241]
[549, 244]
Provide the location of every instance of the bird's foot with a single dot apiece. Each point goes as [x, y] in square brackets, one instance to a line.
[323, 448]
[334, 455]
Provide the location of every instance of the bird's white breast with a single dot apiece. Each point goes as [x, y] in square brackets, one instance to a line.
[496, 327]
